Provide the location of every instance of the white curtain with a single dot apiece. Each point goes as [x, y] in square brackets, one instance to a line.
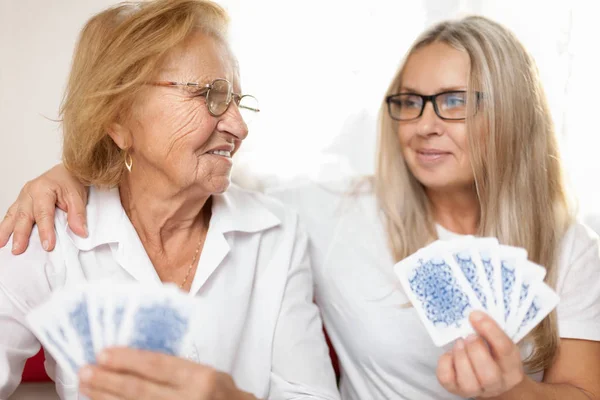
[320, 69]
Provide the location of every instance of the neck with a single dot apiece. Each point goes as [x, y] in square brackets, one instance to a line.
[456, 210]
[161, 215]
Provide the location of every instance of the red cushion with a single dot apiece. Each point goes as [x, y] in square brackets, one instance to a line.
[333, 356]
[34, 369]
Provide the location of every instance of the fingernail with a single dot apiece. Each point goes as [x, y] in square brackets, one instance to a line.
[102, 358]
[85, 229]
[45, 245]
[459, 345]
[85, 374]
[471, 338]
[477, 316]
[15, 246]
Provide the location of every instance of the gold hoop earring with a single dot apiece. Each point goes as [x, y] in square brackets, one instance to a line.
[128, 161]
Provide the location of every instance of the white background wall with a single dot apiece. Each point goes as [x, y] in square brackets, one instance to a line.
[319, 69]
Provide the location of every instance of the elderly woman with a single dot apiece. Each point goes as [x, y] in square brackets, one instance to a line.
[151, 118]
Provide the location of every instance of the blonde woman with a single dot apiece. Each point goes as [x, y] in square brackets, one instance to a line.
[466, 146]
[151, 117]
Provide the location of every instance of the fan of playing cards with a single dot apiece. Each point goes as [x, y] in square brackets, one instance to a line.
[75, 325]
[447, 280]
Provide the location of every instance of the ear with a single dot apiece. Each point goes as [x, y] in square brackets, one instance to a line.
[121, 135]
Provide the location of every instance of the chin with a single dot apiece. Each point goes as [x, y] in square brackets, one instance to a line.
[220, 185]
[444, 183]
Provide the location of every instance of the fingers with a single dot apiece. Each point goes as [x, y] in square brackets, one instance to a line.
[156, 367]
[8, 224]
[43, 213]
[466, 379]
[76, 212]
[487, 371]
[24, 221]
[505, 352]
[94, 394]
[111, 385]
[445, 373]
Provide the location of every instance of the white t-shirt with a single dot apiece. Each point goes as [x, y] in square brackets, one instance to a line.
[384, 350]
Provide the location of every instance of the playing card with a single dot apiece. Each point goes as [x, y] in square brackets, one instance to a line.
[488, 252]
[160, 322]
[439, 291]
[50, 330]
[544, 301]
[532, 274]
[74, 304]
[510, 259]
[465, 253]
[95, 304]
[122, 297]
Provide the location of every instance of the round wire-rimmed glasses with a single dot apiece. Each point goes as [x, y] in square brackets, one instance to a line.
[219, 94]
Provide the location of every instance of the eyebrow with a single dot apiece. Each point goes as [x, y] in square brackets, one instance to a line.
[440, 90]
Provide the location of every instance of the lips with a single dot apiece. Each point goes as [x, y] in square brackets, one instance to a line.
[223, 153]
[429, 156]
[432, 152]
[223, 150]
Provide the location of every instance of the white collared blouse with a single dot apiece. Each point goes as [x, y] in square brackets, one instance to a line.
[253, 278]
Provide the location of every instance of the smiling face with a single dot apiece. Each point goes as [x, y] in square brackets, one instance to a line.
[170, 133]
[436, 151]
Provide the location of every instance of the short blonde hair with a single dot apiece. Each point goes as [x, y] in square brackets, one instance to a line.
[118, 51]
[516, 163]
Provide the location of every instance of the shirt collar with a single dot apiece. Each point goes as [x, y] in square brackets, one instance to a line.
[236, 210]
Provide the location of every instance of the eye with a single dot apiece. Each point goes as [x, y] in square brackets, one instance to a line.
[408, 101]
[195, 91]
[454, 100]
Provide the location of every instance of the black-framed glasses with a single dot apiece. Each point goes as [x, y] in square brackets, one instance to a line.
[219, 94]
[451, 105]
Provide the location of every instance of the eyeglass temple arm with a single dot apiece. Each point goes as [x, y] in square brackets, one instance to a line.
[203, 89]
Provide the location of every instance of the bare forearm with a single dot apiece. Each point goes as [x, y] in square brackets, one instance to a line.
[532, 390]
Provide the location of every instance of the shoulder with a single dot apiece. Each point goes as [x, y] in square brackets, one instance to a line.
[578, 241]
[324, 200]
[343, 210]
[35, 253]
[24, 277]
[580, 252]
[252, 201]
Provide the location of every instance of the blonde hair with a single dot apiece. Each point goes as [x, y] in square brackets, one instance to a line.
[119, 50]
[516, 164]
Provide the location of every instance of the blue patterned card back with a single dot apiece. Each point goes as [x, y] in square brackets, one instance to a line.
[63, 352]
[544, 301]
[532, 312]
[508, 283]
[486, 259]
[443, 300]
[532, 274]
[79, 320]
[466, 264]
[159, 327]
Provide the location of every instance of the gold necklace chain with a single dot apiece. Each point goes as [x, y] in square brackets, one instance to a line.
[192, 264]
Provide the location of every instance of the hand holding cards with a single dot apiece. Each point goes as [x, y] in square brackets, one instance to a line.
[446, 280]
[75, 325]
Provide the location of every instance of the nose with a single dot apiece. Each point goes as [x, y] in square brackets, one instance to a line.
[232, 122]
[429, 122]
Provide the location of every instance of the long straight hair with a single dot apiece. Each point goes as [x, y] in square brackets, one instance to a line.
[515, 160]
